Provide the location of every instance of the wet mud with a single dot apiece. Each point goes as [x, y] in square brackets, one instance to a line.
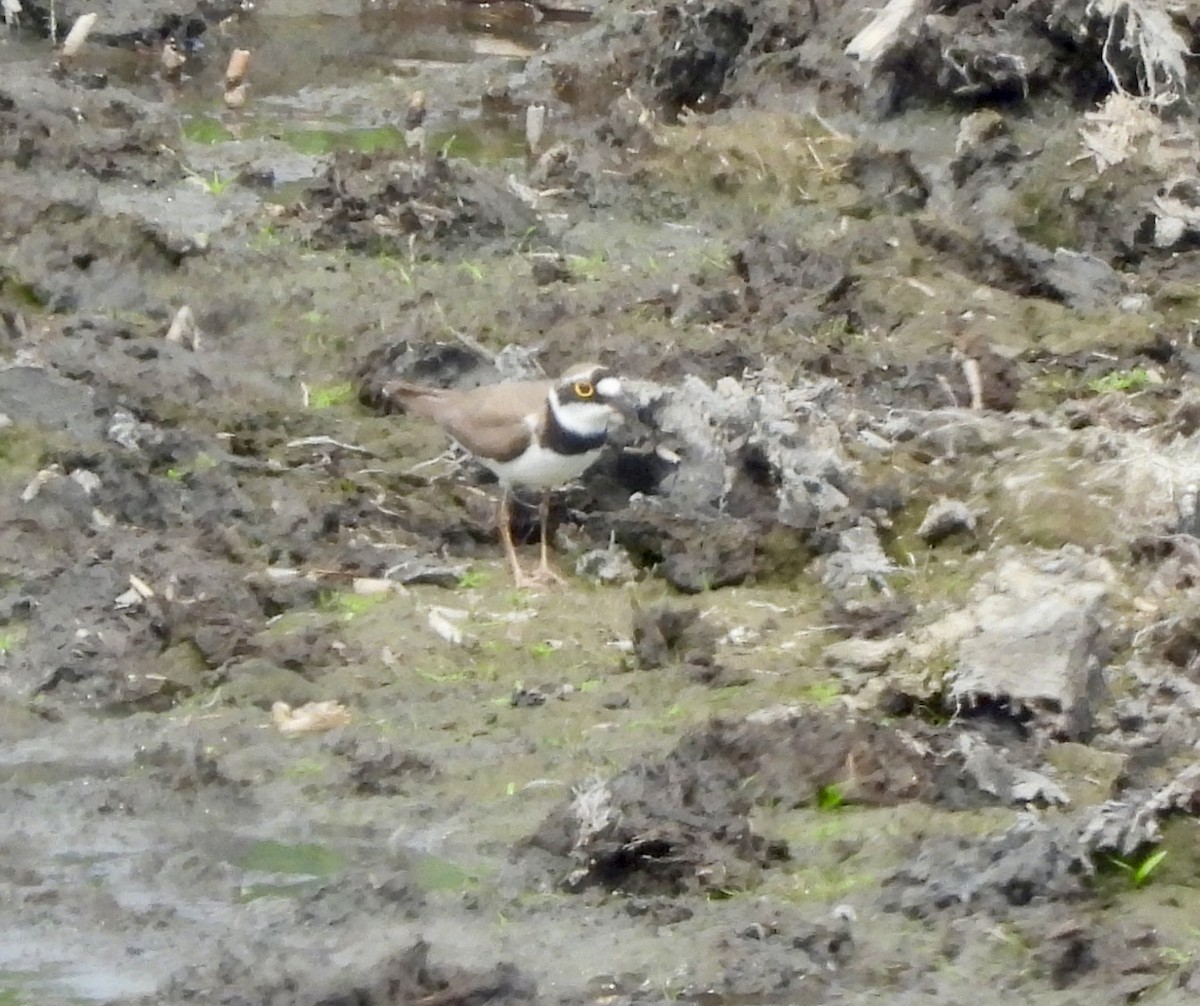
[875, 675]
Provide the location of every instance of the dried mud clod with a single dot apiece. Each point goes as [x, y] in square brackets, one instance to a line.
[665, 635]
[400, 976]
[384, 204]
[378, 767]
[1033, 861]
[1027, 862]
[683, 824]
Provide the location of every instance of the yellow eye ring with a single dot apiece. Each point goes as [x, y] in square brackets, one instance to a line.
[584, 389]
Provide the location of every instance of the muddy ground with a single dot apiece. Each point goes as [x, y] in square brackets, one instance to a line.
[878, 671]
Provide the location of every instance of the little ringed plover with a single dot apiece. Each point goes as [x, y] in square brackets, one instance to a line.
[536, 434]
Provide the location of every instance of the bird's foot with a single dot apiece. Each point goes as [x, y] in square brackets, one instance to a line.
[539, 578]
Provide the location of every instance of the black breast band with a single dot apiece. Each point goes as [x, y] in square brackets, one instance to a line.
[558, 438]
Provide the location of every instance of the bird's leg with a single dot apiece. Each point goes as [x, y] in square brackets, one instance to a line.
[544, 574]
[545, 571]
[504, 524]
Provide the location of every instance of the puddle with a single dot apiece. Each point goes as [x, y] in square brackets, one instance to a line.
[337, 76]
[322, 84]
[280, 870]
[295, 59]
[433, 874]
[478, 141]
[28, 988]
[293, 53]
[62, 984]
[304, 859]
[342, 45]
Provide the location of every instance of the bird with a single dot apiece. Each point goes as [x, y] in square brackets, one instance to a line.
[532, 434]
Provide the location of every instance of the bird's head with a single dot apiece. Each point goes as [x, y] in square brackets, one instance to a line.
[587, 397]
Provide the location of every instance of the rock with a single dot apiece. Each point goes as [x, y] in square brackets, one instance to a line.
[568, 9]
[259, 682]
[861, 656]
[950, 433]
[527, 698]
[31, 395]
[829, 944]
[1083, 281]
[445, 364]
[699, 50]
[859, 561]
[869, 614]
[720, 557]
[945, 518]
[1037, 640]
[268, 972]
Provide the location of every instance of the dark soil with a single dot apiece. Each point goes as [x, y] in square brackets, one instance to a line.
[784, 737]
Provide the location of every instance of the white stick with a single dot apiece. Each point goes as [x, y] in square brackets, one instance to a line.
[535, 124]
[78, 34]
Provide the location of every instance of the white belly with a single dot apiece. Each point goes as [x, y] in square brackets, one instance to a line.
[539, 468]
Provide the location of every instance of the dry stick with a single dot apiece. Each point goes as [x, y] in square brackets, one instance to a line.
[184, 331]
[12, 12]
[78, 34]
[172, 59]
[414, 123]
[974, 378]
[235, 78]
[235, 69]
[415, 116]
[535, 125]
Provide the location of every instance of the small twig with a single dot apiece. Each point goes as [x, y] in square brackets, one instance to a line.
[326, 441]
[453, 456]
[1107, 59]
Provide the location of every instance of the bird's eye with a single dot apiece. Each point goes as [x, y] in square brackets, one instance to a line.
[584, 389]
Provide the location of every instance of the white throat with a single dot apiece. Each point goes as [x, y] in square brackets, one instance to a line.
[585, 419]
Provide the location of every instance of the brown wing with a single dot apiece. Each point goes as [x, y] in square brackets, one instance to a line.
[488, 421]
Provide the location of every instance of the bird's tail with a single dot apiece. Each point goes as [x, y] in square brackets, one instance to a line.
[417, 399]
